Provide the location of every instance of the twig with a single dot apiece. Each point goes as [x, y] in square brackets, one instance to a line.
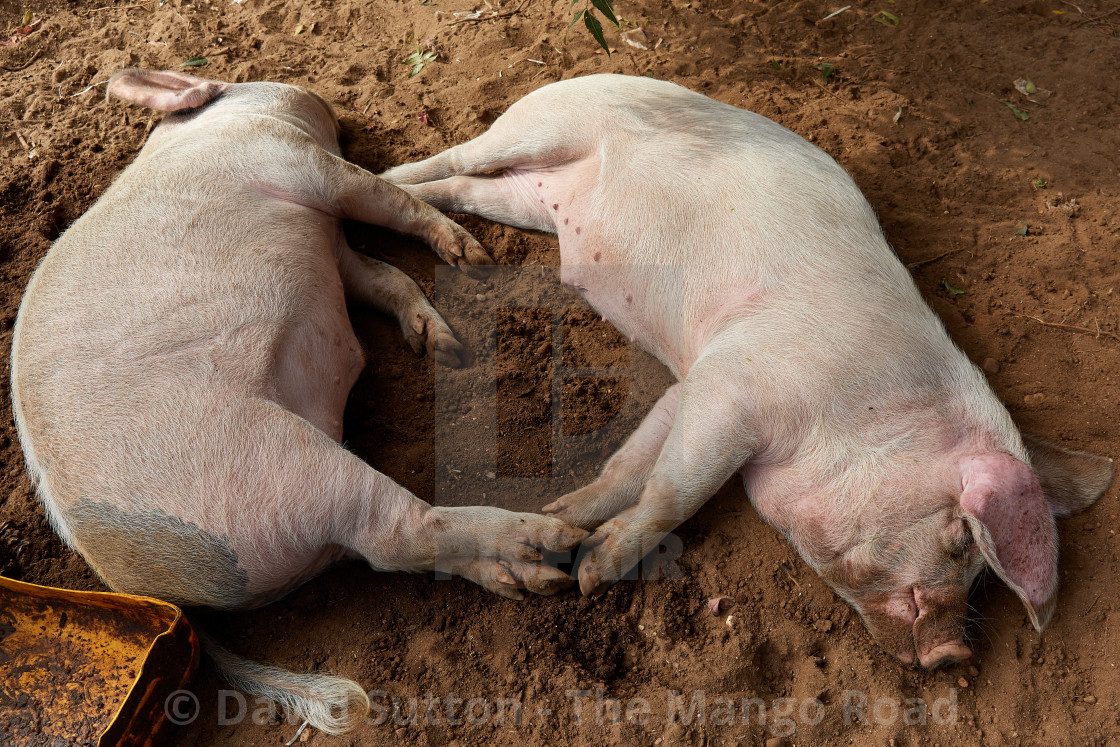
[921, 262]
[494, 17]
[24, 65]
[836, 12]
[1091, 606]
[1070, 327]
[1098, 18]
[823, 88]
[90, 87]
[91, 11]
[292, 741]
[1066, 2]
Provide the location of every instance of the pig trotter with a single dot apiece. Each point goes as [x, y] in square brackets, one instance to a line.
[457, 247]
[381, 286]
[500, 550]
[429, 332]
[620, 485]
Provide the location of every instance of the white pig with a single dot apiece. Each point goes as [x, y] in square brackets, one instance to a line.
[181, 361]
[750, 264]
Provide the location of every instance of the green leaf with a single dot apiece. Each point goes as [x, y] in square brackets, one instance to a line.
[776, 64]
[575, 18]
[1040, 182]
[951, 289]
[416, 69]
[887, 19]
[606, 7]
[1022, 229]
[1019, 113]
[596, 30]
[828, 70]
[1031, 87]
[195, 62]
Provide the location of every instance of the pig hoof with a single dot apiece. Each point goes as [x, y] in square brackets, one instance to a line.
[493, 576]
[538, 578]
[428, 331]
[446, 350]
[591, 584]
[459, 248]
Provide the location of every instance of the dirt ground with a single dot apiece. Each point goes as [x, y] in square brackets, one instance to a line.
[1004, 205]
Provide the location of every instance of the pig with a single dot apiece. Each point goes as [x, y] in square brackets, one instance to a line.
[182, 357]
[749, 263]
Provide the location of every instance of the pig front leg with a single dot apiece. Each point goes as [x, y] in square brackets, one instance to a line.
[620, 485]
[381, 286]
[712, 436]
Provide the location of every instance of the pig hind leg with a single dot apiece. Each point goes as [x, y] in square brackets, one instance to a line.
[504, 198]
[620, 485]
[381, 286]
[496, 175]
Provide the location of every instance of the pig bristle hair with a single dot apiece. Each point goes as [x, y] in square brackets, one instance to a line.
[334, 705]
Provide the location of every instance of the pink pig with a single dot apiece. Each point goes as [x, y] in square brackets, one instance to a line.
[749, 263]
[181, 361]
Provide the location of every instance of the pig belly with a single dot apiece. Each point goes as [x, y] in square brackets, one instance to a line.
[317, 363]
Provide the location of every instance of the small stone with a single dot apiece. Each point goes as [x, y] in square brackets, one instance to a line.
[491, 476]
[824, 625]
[1034, 399]
[1090, 699]
[990, 366]
[479, 296]
[962, 682]
[973, 671]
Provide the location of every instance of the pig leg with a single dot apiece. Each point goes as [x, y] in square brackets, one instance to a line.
[362, 196]
[624, 475]
[381, 286]
[503, 198]
[497, 175]
[325, 496]
[711, 438]
[500, 148]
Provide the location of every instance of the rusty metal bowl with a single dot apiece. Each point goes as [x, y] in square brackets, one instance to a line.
[86, 668]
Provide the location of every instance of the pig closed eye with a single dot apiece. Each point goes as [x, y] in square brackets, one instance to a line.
[960, 544]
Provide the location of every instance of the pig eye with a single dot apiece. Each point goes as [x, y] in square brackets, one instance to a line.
[960, 540]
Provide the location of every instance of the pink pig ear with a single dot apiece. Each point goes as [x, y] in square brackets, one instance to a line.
[1014, 529]
[165, 90]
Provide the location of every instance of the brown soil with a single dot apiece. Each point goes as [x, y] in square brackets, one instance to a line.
[920, 113]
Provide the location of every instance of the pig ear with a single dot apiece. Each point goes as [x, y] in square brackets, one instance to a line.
[165, 90]
[1071, 480]
[1014, 529]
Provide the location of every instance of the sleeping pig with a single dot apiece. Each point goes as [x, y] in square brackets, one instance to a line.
[181, 361]
[748, 262]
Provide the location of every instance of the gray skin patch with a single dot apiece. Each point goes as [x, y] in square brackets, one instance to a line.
[159, 555]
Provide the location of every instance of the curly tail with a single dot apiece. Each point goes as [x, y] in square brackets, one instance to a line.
[334, 705]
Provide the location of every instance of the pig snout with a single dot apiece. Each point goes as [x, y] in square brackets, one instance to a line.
[922, 624]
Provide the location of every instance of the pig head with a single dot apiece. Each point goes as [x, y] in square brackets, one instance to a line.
[908, 572]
